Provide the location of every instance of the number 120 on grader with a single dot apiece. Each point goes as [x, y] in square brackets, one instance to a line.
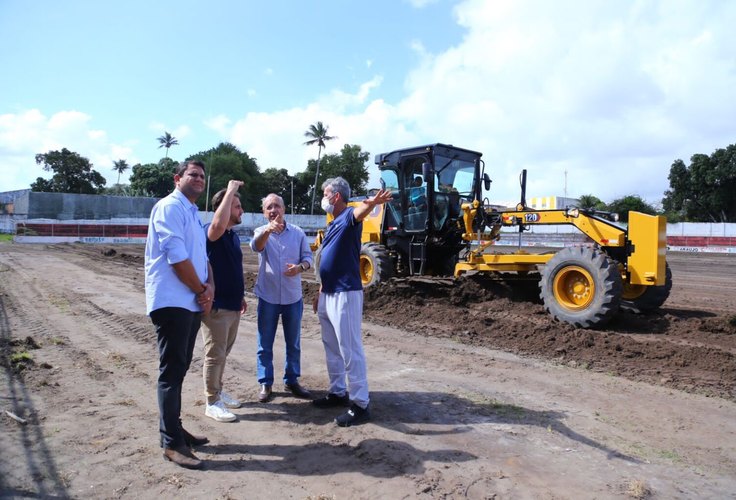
[438, 224]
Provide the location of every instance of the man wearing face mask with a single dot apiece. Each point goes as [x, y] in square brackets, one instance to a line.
[283, 254]
[339, 304]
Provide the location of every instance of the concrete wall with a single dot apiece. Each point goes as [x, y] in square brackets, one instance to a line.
[66, 206]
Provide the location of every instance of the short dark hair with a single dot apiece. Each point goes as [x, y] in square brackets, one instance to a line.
[217, 199]
[183, 166]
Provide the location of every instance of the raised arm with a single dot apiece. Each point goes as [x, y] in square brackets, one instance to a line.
[362, 210]
[221, 218]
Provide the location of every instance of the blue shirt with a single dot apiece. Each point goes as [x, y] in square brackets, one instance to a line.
[340, 255]
[288, 247]
[226, 259]
[175, 234]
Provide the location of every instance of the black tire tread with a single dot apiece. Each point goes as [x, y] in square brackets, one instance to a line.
[607, 281]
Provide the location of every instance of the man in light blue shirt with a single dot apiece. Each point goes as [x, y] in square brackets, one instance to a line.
[283, 254]
[179, 289]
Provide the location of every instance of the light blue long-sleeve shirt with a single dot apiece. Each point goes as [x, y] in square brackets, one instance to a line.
[288, 247]
[175, 234]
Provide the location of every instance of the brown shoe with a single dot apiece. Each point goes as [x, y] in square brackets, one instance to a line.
[265, 393]
[183, 457]
[194, 440]
[298, 391]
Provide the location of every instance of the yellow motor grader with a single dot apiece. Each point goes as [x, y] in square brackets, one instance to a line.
[438, 224]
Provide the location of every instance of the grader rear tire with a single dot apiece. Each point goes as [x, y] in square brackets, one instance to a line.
[647, 298]
[376, 265]
[581, 286]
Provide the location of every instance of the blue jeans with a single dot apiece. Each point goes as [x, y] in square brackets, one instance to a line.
[268, 320]
[176, 331]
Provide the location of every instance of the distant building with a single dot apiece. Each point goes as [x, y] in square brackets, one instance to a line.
[7, 200]
[552, 202]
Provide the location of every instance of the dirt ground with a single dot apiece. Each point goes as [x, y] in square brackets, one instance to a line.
[476, 393]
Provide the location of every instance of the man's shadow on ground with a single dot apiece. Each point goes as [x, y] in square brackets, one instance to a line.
[416, 413]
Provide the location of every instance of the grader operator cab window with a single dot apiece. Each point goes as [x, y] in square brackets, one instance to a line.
[415, 193]
[454, 185]
[390, 181]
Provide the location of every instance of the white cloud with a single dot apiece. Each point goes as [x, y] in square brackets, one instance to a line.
[219, 123]
[609, 95]
[24, 135]
[594, 89]
[609, 92]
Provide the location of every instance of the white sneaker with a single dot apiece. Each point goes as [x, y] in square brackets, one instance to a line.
[229, 401]
[218, 412]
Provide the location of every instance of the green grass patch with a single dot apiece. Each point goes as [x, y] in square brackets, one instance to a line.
[670, 455]
[6, 238]
[21, 357]
[20, 361]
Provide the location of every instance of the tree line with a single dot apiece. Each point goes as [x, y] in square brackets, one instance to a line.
[73, 173]
[702, 191]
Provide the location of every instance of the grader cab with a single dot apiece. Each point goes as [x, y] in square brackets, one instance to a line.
[438, 224]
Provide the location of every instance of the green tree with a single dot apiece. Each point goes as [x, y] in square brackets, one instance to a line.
[705, 190]
[590, 201]
[226, 162]
[120, 166]
[350, 164]
[317, 134]
[278, 180]
[166, 141]
[72, 174]
[117, 190]
[153, 179]
[632, 202]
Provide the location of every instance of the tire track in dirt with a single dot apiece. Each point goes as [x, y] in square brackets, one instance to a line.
[451, 419]
[79, 336]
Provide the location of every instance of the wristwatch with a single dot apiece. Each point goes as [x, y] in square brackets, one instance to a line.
[301, 264]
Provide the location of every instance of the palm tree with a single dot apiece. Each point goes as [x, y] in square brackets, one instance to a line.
[318, 135]
[120, 166]
[166, 141]
[590, 201]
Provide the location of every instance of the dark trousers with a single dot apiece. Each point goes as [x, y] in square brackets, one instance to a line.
[176, 329]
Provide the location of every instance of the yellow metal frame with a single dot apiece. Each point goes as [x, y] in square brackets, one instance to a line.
[648, 237]
[492, 262]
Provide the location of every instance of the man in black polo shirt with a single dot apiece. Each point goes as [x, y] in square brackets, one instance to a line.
[221, 325]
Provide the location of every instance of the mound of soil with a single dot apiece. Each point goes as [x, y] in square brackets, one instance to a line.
[678, 348]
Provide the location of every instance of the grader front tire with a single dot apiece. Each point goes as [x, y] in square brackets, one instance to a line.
[581, 286]
[376, 265]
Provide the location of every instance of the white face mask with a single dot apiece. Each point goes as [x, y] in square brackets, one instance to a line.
[327, 206]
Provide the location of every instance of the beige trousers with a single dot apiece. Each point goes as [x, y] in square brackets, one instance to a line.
[220, 328]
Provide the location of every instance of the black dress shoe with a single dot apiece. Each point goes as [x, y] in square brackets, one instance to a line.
[183, 457]
[354, 416]
[192, 440]
[298, 391]
[332, 401]
[265, 393]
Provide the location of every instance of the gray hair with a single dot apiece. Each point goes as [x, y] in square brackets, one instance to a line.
[338, 185]
[272, 195]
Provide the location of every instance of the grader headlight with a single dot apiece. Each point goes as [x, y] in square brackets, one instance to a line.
[572, 212]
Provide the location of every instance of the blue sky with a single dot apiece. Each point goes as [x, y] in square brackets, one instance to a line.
[606, 94]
